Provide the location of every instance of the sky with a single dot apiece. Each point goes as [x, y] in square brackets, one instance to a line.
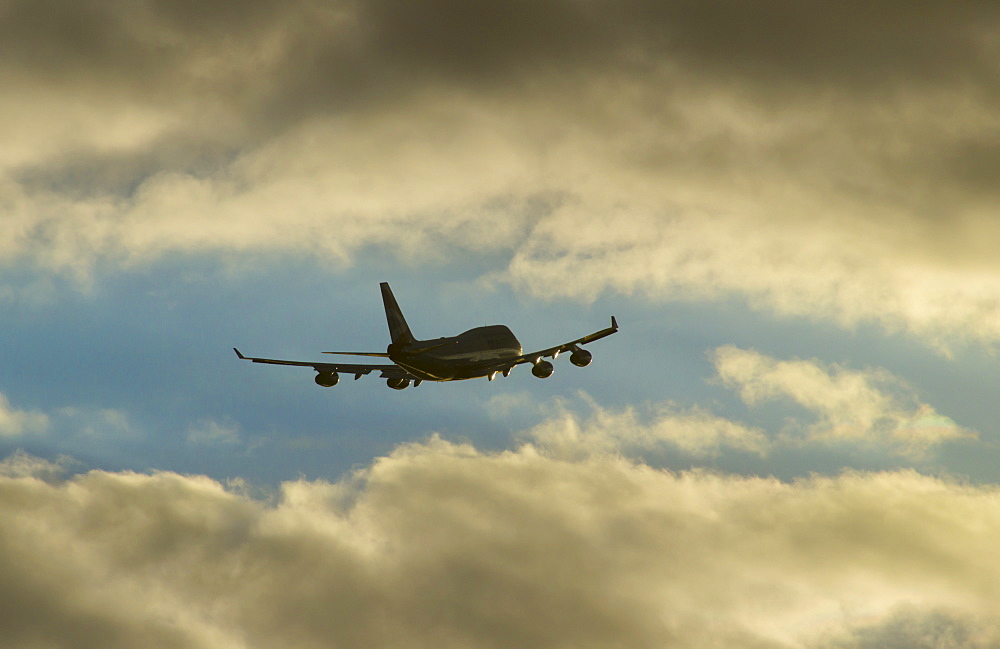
[791, 207]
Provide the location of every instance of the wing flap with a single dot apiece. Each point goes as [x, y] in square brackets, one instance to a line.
[357, 369]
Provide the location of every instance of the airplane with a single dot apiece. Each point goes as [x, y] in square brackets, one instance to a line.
[480, 352]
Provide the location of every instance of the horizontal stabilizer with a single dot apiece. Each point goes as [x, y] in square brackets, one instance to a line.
[358, 370]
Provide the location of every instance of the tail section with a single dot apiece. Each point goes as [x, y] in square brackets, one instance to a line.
[398, 329]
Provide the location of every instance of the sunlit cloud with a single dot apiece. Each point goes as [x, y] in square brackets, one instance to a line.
[693, 431]
[96, 423]
[827, 162]
[211, 432]
[441, 545]
[848, 187]
[851, 405]
[22, 465]
[15, 422]
[823, 404]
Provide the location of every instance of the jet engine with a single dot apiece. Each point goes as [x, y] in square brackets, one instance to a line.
[581, 358]
[542, 369]
[398, 384]
[327, 379]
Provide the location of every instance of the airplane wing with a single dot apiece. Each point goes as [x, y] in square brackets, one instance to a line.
[553, 352]
[357, 369]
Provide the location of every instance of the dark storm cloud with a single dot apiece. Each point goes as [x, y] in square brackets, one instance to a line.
[58, 39]
[90, 173]
[51, 34]
[855, 43]
[232, 74]
[270, 64]
[121, 46]
[850, 44]
[489, 42]
[336, 54]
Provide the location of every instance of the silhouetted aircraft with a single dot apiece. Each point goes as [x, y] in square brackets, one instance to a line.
[483, 351]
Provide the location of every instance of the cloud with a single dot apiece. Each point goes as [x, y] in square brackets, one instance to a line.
[830, 404]
[856, 405]
[15, 423]
[212, 432]
[440, 545]
[97, 423]
[692, 431]
[835, 162]
[914, 629]
[23, 465]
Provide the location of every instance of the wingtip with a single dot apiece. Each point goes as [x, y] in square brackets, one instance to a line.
[241, 356]
[614, 323]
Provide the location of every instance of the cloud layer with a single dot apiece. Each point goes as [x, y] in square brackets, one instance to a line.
[836, 161]
[870, 406]
[829, 161]
[694, 431]
[821, 406]
[440, 545]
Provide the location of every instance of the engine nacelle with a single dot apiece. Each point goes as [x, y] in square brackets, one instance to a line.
[542, 369]
[581, 358]
[398, 384]
[327, 379]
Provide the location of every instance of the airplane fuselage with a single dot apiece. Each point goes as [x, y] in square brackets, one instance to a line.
[469, 355]
[480, 352]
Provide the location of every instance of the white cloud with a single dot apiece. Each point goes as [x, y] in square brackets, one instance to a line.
[23, 465]
[97, 423]
[211, 432]
[693, 431]
[440, 545]
[858, 405]
[15, 423]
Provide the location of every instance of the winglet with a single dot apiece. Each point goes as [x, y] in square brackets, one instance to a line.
[242, 357]
[614, 325]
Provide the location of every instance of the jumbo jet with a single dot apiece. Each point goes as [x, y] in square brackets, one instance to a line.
[480, 352]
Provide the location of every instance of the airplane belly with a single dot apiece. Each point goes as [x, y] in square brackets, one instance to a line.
[428, 370]
[456, 366]
[471, 355]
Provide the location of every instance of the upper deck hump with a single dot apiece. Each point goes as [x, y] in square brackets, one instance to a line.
[498, 337]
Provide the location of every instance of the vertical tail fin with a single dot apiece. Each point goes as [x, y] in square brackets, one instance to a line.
[399, 331]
